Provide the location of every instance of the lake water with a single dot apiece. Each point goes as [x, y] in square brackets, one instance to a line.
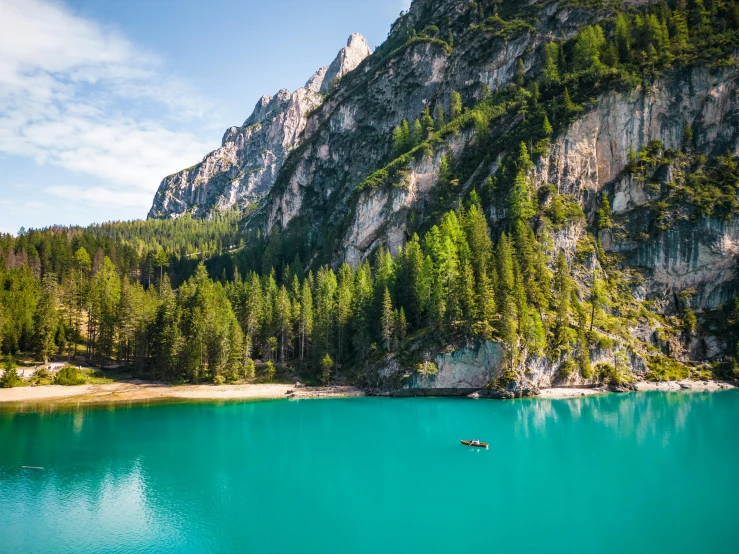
[654, 472]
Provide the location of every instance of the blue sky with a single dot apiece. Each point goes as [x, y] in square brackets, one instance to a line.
[100, 99]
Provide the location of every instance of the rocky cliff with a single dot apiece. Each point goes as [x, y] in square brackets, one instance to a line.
[631, 172]
[244, 168]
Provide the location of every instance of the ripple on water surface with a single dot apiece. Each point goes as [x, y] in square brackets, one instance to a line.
[656, 471]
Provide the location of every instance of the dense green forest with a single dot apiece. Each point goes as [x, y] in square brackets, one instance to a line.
[190, 300]
[454, 282]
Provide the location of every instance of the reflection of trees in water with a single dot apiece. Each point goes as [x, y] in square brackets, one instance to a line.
[645, 416]
[532, 417]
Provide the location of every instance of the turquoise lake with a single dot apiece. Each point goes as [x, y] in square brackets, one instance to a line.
[650, 472]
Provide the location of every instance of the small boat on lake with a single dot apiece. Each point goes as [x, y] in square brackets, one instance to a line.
[475, 443]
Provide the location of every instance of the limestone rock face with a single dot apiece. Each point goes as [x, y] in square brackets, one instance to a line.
[467, 369]
[590, 156]
[348, 136]
[594, 149]
[244, 168]
[381, 215]
[701, 258]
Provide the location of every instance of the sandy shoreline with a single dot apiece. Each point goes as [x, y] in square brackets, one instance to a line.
[142, 391]
[569, 392]
[641, 386]
[137, 391]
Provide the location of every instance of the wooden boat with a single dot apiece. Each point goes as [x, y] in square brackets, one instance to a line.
[479, 444]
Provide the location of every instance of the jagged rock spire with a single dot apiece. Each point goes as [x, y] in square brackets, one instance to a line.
[244, 168]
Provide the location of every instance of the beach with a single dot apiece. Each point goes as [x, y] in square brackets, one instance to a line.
[140, 391]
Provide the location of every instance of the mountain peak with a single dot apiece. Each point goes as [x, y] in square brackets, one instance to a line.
[348, 58]
[245, 166]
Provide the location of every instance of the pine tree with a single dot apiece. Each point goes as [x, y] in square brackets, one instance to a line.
[427, 123]
[384, 271]
[531, 260]
[401, 138]
[598, 299]
[409, 264]
[10, 377]
[387, 322]
[327, 364]
[249, 369]
[604, 213]
[82, 260]
[583, 352]
[235, 363]
[283, 316]
[520, 73]
[445, 297]
[567, 105]
[698, 17]
[631, 164]
[105, 293]
[166, 337]
[486, 309]
[536, 339]
[254, 309]
[444, 171]
[455, 105]
[609, 55]
[324, 321]
[509, 329]
[467, 295]
[161, 260]
[588, 47]
[562, 296]
[424, 291]
[504, 266]
[407, 136]
[46, 318]
[551, 71]
[269, 371]
[267, 315]
[361, 306]
[622, 37]
[546, 127]
[522, 303]
[128, 318]
[401, 327]
[680, 34]
[478, 238]
[345, 293]
[418, 135]
[438, 116]
[524, 163]
[520, 206]
[535, 96]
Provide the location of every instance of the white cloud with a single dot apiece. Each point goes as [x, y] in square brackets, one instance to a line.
[71, 95]
[102, 195]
